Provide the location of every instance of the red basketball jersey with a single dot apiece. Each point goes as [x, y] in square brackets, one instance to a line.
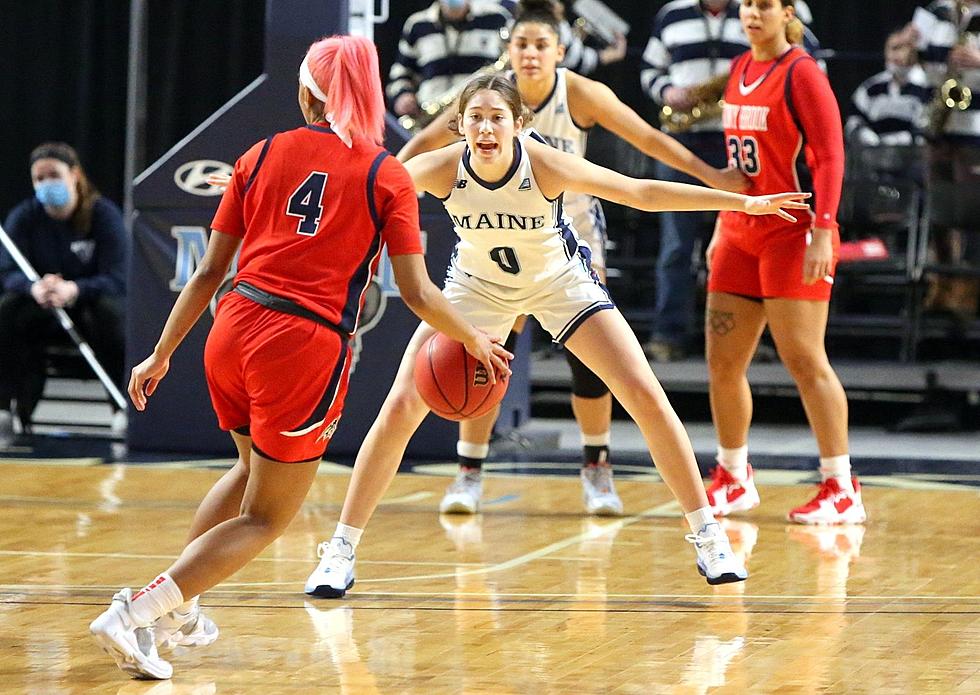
[763, 140]
[314, 215]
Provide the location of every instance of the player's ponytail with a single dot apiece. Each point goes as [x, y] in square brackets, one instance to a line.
[794, 30]
[548, 12]
[345, 76]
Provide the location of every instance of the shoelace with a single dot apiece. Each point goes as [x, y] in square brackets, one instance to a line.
[464, 480]
[714, 549]
[336, 559]
[601, 479]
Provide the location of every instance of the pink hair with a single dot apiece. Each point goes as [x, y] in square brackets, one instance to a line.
[346, 70]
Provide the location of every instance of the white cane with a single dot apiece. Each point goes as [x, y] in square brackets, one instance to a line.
[66, 322]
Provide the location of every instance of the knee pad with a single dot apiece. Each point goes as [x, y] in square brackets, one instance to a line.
[585, 384]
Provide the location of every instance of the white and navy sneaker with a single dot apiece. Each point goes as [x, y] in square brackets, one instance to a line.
[190, 629]
[132, 647]
[599, 492]
[727, 495]
[463, 495]
[832, 505]
[717, 562]
[335, 573]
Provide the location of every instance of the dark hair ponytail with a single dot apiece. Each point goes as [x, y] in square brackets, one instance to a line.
[548, 12]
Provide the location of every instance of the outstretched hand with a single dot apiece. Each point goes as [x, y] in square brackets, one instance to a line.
[491, 354]
[218, 180]
[144, 379]
[775, 204]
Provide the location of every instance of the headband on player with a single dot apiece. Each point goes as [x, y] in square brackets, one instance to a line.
[306, 77]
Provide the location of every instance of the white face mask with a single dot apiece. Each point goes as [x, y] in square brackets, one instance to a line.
[898, 72]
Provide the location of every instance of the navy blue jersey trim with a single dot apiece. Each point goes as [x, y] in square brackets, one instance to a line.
[574, 324]
[551, 94]
[788, 96]
[264, 455]
[506, 177]
[319, 128]
[371, 180]
[258, 164]
[330, 393]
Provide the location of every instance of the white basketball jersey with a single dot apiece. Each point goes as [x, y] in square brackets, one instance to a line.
[509, 232]
[553, 119]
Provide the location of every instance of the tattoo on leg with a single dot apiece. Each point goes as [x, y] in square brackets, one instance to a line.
[721, 322]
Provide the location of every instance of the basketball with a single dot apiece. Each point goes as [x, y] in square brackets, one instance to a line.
[452, 383]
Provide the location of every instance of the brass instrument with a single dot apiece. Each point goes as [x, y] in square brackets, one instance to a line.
[708, 104]
[952, 94]
[429, 110]
[596, 19]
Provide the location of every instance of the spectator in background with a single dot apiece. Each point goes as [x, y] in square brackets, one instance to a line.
[76, 241]
[890, 106]
[440, 47]
[947, 34]
[691, 44]
[579, 57]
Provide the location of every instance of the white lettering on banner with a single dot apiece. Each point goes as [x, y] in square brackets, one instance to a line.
[192, 242]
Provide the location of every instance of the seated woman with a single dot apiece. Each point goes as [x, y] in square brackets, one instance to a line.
[76, 241]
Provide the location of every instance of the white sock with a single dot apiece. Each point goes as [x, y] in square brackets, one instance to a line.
[349, 533]
[472, 450]
[735, 461]
[188, 606]
[157, 598]
[700, 518]
[595, 439]
[838, 467]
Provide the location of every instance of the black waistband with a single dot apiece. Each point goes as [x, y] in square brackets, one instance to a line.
[285, 306]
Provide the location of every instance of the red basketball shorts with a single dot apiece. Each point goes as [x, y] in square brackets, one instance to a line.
[284, 377]
[770, 267]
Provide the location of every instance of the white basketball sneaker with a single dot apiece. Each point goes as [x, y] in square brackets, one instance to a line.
[463, 495]
[716, 561]
[832, 505]
[191, 629]
[131, 646]
[599, 492]
[335, 573]
[726, 495]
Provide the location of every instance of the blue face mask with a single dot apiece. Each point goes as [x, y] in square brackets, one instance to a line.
[454, 4]
[52, 193]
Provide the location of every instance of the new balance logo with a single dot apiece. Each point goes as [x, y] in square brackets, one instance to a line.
[459, 183]
[525, 185]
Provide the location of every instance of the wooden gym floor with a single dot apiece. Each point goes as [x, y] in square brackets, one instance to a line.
[528, 597]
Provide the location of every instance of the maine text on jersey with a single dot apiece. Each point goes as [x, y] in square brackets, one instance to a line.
[498, 220]
[744, 117]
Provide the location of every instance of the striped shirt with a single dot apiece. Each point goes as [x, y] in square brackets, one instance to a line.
[938, 25]
[436, 56]
[689, 46]
[889, 113]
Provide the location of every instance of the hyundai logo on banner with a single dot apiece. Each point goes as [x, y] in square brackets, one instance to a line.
[192, 177]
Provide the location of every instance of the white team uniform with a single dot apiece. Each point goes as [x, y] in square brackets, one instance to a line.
[517, 253]
[554, 121]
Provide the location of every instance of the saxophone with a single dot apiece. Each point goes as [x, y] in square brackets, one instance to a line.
[429, 110]
[708, 104]
[952, 94]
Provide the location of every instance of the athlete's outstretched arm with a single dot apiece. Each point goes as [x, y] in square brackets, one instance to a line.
[190, 304]
[558, 171]
[435, 135]
[428, 303]
[600, 105]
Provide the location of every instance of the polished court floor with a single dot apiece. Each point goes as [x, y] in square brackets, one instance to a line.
[528, 597]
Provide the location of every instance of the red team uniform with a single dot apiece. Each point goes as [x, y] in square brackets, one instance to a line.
[314, 216]
[772, 109]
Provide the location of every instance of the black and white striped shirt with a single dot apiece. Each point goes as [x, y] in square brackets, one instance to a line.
[435, 56]
[889, 113]
[938, 25]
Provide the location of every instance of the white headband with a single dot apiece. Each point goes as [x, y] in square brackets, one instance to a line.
[306, 77]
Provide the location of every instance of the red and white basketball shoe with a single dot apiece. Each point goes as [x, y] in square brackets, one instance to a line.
[726, 495]
[832, 505]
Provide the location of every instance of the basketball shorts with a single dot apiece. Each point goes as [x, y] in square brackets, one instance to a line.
[560, 304]
[283, 377]
[771, 268]
[589, 222]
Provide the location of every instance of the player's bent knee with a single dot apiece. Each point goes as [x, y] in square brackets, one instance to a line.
[585, 383]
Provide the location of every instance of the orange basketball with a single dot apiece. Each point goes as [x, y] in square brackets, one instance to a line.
[452, 383]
